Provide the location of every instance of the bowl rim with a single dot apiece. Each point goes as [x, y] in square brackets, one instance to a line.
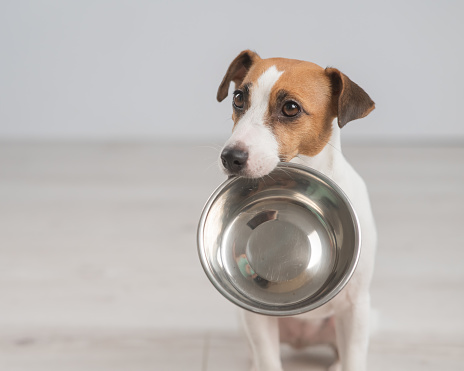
[281, 312]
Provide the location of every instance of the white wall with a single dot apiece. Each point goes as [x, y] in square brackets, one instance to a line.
[146, 69]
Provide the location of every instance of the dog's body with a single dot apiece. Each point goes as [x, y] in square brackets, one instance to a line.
[283, 111]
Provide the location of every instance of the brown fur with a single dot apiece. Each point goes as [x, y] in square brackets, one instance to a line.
[237, 72]
[323, 94]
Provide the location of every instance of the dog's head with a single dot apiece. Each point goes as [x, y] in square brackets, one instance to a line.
[283, 108]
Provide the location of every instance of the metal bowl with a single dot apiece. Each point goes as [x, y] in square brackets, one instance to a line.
[280, 245]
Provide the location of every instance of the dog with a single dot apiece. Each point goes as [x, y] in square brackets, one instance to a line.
[285, 110]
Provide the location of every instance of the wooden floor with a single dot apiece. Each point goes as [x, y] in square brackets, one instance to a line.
[99, 270]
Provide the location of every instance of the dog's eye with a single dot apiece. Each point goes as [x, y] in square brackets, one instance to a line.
[290, 109]
[238, 100]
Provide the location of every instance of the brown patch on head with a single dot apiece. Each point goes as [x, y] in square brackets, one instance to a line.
[307, 85]
[321, 94]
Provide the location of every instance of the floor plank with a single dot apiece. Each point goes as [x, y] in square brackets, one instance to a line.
[99, 269]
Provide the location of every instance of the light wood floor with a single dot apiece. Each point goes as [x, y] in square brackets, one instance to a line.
[99, 270]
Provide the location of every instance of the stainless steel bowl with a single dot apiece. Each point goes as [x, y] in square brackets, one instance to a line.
[280, 245]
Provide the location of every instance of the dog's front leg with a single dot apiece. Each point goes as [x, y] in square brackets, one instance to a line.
[263, 336]
[352, 333]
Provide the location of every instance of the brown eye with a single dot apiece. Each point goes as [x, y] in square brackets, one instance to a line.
[238, 100]
[290, 109]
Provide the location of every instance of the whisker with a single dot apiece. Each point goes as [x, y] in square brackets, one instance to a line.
[287, 173]
[269, 175]
[211, 165]
[262, 178]
[330, 144]
[216, 147]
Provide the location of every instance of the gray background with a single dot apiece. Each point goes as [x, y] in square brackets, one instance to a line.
[131, 70]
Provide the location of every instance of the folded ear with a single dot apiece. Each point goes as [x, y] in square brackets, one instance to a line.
[351, 102]
[236, 72]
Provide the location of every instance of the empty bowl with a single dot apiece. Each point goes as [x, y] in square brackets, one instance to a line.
[280, 245]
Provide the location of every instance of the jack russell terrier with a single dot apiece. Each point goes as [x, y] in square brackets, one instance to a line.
[283, 111]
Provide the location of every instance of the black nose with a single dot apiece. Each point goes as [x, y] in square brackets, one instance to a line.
[234, 159]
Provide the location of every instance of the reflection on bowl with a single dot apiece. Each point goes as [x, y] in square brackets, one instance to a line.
[280, 245]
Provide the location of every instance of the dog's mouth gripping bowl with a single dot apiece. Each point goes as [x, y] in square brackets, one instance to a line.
[280, 245]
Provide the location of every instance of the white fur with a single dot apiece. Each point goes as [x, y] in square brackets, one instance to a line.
[252, 132]
[344, 321]
[349, 310]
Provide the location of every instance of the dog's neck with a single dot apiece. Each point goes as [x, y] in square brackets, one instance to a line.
[328, 160]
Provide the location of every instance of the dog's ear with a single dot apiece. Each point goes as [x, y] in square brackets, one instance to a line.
[236, 72]
[350, 101]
